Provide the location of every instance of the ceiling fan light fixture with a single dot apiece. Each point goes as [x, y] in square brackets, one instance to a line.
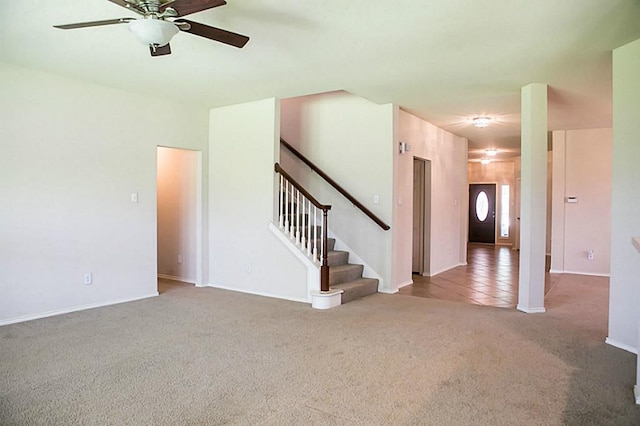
[481, 121]
[491, 152]
[485, 161]
[155, 32]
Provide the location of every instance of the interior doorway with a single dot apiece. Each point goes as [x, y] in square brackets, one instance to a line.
[482, 213]
[421, 217]
[179, 215]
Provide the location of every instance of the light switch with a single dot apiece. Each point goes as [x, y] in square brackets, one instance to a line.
[376, 199]
[134, 197]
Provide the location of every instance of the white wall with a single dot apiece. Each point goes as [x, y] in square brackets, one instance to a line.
[449, 196]
[244, 255]
[582, 168]
[625, 207]
[178, 227]
[72, 154]
[351, 139]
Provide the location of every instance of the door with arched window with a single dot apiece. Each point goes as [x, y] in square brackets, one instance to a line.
[482, 213]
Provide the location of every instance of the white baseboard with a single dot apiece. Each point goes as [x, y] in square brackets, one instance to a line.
[72, 309]
[590, 274]
[386, 291]
[404, 284]
[620, 345]
[174, 278]
[259, 293]
[531, 310]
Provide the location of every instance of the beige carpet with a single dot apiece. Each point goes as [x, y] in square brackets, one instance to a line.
[208, 356]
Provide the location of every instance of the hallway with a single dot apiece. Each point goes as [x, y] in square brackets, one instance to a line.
[490, 278]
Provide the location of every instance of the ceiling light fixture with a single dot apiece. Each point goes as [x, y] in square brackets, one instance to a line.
[485, 161]
[491, 152]
[155, 32]
[481, 121]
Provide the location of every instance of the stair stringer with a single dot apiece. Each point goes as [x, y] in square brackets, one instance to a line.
[313, 268]
[368, 271]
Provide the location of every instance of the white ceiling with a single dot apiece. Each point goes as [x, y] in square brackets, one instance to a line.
[443, 60]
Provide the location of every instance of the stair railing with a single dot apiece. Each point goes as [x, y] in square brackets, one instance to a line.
[298, 216]
[337, 187]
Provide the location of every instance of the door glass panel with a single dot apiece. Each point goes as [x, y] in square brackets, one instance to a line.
[482, 206]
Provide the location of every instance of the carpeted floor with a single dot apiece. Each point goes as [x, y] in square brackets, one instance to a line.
[208, 356]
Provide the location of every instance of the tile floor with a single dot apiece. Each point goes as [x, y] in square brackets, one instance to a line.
[490, 278]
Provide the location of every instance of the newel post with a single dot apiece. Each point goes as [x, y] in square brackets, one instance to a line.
[324, 268]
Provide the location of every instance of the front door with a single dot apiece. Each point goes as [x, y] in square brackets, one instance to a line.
[482, 213]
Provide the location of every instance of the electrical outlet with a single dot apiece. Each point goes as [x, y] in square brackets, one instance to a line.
[590, 255]
[249, 268]
[179, 259]
[88, 278]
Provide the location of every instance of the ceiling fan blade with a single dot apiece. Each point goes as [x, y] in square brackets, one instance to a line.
[94, 23]
[160, 50]
[212, 33]
[187, 7]
[131, 5]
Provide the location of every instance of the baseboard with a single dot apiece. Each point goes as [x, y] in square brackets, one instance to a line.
[531, 310]
[385, 291]
[258, 293]
[589, 274]
[174, 278]
[72, 309]
[555, 271]
[620, 345]
[406, 283]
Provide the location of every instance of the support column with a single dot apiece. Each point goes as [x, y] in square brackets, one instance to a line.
[533, 200]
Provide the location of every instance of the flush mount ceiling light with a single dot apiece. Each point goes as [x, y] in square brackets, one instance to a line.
[491, 152]
[485, 161]
[481, 121]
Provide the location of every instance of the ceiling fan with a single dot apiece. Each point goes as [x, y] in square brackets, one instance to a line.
[158, 23]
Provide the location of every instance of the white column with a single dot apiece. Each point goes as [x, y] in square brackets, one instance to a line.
[533, 200]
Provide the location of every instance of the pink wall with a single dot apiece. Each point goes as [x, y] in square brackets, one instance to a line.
[582, 169]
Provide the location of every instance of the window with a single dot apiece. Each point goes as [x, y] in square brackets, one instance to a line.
[504, 211]
[482, 206]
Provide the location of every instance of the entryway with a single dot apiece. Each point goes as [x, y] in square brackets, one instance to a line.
[179, 215]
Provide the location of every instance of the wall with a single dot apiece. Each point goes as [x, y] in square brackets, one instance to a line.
[625, 206]
[500, 173]
[449, 195]
[244, 255]
[178, 203]
[73, 153]
[582, 168]
[350, 139]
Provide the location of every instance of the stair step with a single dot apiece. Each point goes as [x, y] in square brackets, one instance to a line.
[357, 288]
[344, 273]
[337, 257]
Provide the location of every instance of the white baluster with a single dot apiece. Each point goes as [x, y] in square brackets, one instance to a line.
[298, 228]
[322, 247]
[315, 241]
[309, 238]
[281, 202]
[286, 207]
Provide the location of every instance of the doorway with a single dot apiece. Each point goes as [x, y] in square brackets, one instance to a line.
[179, 215]
[421, 217]
[482, 213]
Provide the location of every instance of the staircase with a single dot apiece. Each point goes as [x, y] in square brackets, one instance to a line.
[348, 276]
[303, 219]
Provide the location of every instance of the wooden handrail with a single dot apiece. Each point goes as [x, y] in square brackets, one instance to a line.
[337, 187]
[318, 204]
